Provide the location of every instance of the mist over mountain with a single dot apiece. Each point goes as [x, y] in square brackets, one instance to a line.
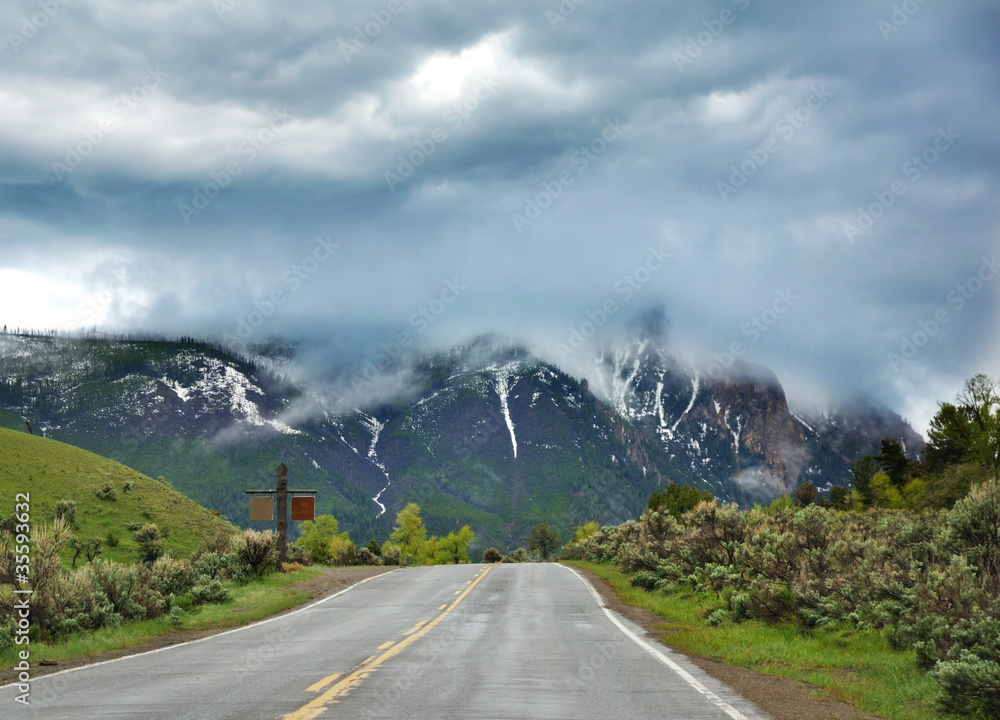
[483, 432]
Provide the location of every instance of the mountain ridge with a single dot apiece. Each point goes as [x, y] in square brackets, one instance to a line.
[485, 433]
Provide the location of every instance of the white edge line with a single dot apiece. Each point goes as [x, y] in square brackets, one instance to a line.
[208, 637]
[685, 675]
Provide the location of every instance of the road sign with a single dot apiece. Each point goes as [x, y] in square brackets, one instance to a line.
[300, 511]
[261, 508]
[303, 508]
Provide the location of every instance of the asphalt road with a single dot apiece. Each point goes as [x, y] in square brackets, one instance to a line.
[462, 642]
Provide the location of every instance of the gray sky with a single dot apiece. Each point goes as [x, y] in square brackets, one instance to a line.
[510, 166]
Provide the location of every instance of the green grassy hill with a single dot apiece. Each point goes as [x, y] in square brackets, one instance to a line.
[52, 471]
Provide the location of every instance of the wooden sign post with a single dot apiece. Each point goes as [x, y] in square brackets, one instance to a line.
[300, 511]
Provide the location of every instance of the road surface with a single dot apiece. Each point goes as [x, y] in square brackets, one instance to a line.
[436, 643]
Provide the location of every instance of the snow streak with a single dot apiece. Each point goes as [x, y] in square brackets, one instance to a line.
[375, 427]
[694, 396]
[504, 386]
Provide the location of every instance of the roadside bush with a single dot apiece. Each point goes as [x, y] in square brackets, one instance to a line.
[926, 580]
[256, 553]
[298, 554]
[150, 542]
[119, 585]
[391, 554]
[492, 555]
[168, 576]
[364, 556]
[211, 593]
[213, 565]
[520, 555]
[645, 579]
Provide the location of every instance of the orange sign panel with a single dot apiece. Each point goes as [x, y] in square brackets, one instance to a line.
[303, 508]
[261, 508]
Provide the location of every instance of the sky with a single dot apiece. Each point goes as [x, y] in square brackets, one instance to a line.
[812, 187]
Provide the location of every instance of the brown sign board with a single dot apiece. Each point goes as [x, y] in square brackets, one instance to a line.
[303, 508]
[261, 508]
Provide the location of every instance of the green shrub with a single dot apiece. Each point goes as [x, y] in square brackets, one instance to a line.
[970, 686]
[391, 554]
[66, 509]
[716, 618]
[211, 593]
[119, 585]
[298, 554]
[256, 553]
[184, 602]
[645, 579]
[168, 576]
[364, 556]
[107, 493]
[112, 539]
[6, 639]
[177, 616]
[213, 565]
[150, 543]
[492, 555]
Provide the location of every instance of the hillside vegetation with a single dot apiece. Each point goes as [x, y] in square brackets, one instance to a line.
[52, 471]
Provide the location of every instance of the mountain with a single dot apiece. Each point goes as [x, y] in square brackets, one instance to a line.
[735, 430]
[50, 471]
[483, 433]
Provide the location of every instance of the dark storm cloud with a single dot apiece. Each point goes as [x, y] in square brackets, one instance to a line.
[754, 142]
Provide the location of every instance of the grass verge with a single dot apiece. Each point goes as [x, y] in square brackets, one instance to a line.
[859, 668]
[249, 603]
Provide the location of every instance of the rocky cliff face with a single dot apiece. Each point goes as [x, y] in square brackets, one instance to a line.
[736, 432]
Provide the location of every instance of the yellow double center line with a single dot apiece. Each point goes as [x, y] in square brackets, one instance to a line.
[317, 706]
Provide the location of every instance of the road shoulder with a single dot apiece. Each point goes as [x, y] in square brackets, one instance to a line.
[781, 698]
[332, 580]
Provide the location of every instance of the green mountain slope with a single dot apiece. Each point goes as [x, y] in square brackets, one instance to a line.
[52, 471]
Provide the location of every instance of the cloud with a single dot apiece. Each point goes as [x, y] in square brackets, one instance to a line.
[169, 95]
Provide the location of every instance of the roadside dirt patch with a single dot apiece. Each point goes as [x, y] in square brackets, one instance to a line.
[781, 698]
[330, 581]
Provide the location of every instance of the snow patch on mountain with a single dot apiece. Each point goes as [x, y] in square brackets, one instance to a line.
[372, 424]
[694, 396]
[503, 387]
